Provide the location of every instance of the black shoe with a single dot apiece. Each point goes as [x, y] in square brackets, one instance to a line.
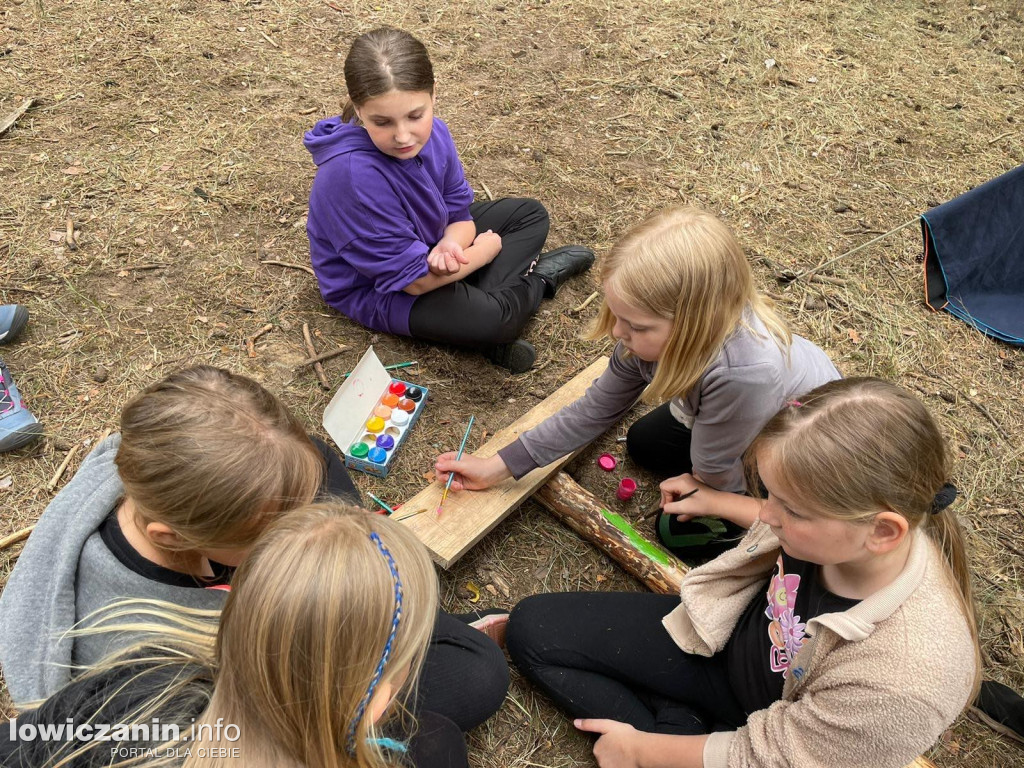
[557, 266]
[518, 356]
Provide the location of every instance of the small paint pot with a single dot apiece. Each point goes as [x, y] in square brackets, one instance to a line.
[397, 388]
[607, 462]
[399, 418]
[377, 455]
[393, 431]
[407, 405]
[370, 439]
[389, 400]
[375, 424]
[387, 442]
[382, 412]
[414, 393]
[359, 450]
[627, 487]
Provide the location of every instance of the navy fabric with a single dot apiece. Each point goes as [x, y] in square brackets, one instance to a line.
[974, 257]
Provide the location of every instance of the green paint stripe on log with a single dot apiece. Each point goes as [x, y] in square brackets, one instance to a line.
[642, 545]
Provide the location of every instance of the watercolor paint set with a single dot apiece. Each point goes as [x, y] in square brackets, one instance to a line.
[371, 415]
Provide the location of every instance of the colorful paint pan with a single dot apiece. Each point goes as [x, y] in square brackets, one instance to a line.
[376, 423]
[377, 455]
[389, 400]
[397, 388]
[386, 442]
[359, 450]
[383, 412]
[398, 418]
[407, 405]
[414, 394]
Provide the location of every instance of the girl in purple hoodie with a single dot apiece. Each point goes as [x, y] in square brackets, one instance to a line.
[396, 241]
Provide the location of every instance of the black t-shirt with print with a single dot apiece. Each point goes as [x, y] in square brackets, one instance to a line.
[773, 628]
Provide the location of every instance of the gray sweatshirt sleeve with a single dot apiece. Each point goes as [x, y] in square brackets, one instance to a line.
[604, 403]
[735, 403]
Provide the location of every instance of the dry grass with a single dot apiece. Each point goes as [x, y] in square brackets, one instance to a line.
[170, 134]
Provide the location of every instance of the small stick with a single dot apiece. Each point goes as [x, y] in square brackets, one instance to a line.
[384, 506]
[69, 235]
[141, 267]
[411, 514]
[312, 353]
[789, 277]
[487, 191]
[980, 408]
[303, 267]
[63, 466]
[649, 515]
[391, 367]
[323, 356]
[586, 302]
[15, 537]
[267, 38]
[451, 475]
[250, 343]
[12, 118]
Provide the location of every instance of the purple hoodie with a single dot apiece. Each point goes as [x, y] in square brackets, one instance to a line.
[374, 218]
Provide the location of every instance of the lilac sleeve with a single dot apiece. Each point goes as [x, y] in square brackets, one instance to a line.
[604, 403]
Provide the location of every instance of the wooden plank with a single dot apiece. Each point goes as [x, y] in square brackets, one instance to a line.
[468, 516]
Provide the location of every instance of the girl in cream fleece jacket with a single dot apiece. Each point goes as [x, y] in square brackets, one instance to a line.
[840, 632]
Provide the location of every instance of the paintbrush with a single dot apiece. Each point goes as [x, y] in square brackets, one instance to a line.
[678, 498]
[451, 475]
[386, 508]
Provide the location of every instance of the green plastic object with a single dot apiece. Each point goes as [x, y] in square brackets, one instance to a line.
[359, 450]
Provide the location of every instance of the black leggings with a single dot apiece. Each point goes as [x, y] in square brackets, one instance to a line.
[494, 303]
[607, 655]
[457, 652]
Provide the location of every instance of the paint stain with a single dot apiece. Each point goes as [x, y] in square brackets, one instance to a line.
[642, 545]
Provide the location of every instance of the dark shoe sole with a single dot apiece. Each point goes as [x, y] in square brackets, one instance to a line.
[21, 437]
[517, 357]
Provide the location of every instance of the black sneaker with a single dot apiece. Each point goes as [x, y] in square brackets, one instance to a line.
[518, 356]
[557, 266]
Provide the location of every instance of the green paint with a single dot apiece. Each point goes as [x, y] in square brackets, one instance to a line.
[643, 545]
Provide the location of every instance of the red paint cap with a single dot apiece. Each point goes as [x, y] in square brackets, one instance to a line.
[607, 462]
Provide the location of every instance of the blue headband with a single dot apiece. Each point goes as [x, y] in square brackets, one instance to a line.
[386, 654]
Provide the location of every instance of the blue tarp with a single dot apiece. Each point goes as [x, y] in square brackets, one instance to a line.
[974, 257]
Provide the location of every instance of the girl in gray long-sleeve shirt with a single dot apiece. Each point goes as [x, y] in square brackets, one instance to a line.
[695, 336]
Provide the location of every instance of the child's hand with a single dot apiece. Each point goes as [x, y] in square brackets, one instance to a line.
[697, 505]
[446, 258]
[616, 747]
[488, 242]
[471, 473]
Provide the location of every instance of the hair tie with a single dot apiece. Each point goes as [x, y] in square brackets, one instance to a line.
[794, 403]
[396, 617]
[945, 497]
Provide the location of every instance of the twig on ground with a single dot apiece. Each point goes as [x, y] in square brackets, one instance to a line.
[289, 265]
[69, 235]
[12, 118]
[322, 356]
[250, 343]
[789, 277]
[319, 369]
[266, 37]
[487, 191]
[586, 302]
[63, 467]
[978, 406]
[14, 538]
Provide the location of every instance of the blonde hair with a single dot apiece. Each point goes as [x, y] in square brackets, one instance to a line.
[300, 639]
[685, 265]
[853, 446]
[214, 456]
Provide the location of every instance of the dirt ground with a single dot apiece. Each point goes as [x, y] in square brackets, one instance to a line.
[170, 135]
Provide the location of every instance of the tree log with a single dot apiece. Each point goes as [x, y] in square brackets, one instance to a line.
[580, 510]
